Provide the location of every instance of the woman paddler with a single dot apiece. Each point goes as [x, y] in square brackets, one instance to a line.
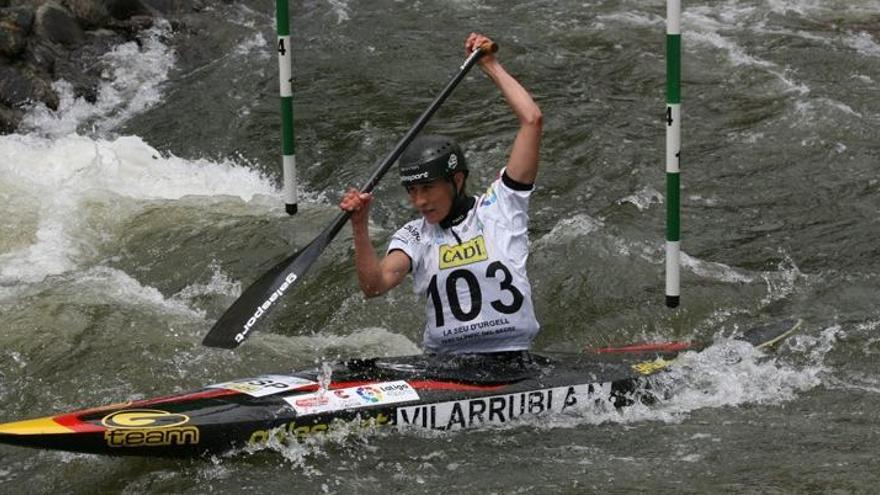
[467, 254]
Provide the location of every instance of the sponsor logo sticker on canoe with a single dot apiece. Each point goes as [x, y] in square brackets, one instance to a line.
[176, 435]
[265, 385]
[352, 397]
[307, 428]
[148, 428]
[466, 253]
[143, 419]
[499, 409]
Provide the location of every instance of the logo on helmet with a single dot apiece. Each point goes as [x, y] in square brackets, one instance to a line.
[453, 161]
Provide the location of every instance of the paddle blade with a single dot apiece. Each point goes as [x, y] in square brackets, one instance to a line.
[253, 307]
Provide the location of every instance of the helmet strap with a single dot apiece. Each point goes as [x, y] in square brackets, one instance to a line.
[461, 205]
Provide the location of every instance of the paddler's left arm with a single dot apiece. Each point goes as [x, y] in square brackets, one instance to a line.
[522, 165]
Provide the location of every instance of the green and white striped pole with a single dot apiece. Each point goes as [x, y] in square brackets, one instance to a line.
[673, 151]
[285, 75]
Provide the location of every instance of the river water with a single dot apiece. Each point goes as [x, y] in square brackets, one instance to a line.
[131, 222]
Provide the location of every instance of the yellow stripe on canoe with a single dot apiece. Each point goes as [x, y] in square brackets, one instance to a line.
[651, 367]
[39, 426]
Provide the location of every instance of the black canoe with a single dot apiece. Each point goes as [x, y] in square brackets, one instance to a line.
[422, 391]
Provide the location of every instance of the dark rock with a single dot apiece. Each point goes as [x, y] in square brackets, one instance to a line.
[9, 119]
[171, 7]
[41, 54]
[15, 25]
[133, 25]
[20, 86]
[55, 23]
[90, 13]
[124, 9]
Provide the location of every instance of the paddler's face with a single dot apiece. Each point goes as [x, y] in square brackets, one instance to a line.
[433, 199]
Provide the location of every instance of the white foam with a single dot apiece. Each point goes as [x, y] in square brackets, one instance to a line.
[248, 17]
[807, 110]
[820, 9]
[863, 43]
[643, 198]
[863, 78]
[708, 31]
[782, 282]
[255, 43]
[633, 18]
[814, 348]
[64, 178]
[715, 271]
[110, 285]
[731, 373]
[133, 74]
[727, 373]
[571, 228]
[219, 284]
[342, 10]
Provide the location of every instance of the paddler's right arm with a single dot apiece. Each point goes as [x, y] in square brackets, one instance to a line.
[375, 276]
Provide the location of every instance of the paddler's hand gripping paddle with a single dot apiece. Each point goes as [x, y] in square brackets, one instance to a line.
[252, 308]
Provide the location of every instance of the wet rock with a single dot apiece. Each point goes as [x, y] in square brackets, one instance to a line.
[125, 9]
[133, 25]
[89, 13]
[15, 26]
[9, 119]
[170, 7]
[41, 55]
[56, 24]
[20, 86]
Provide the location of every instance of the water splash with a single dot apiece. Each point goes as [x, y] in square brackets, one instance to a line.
[783, 282]
[571, 228]
[74, 190]
[219, 284]
[342, 10]
[643, 198]
[716, 271]
[132, 77]
[256, 43]
[325, 377]
[113, 286]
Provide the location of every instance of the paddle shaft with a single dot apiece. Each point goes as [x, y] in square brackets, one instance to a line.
[407, 138]
[253, 306]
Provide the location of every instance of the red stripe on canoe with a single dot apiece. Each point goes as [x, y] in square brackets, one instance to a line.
[648, 347]
[74, 422]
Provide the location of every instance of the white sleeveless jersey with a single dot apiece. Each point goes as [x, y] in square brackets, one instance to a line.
[477, 294]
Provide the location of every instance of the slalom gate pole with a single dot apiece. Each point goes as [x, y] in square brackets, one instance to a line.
[285, 77]
[673, 151]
